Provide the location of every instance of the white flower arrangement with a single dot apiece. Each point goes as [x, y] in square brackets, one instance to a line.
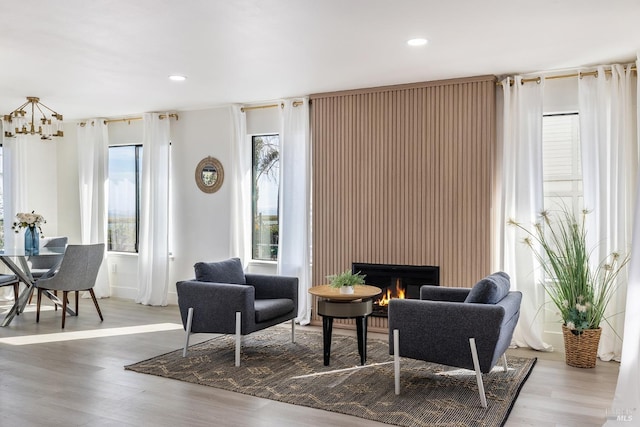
[31, 220]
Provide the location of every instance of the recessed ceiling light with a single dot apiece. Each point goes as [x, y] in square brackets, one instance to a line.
[417, 42]
[177, 78]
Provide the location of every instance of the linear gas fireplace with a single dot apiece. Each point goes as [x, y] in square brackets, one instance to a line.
[397, 281]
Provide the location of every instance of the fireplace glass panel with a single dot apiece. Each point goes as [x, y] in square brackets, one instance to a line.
[392, 278]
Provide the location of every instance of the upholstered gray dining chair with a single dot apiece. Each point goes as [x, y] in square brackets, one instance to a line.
[460, 327]
[11, 280]
[78, 272]
[224, 300]
[41, 264]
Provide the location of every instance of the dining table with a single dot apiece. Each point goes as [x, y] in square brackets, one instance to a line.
[17, 260]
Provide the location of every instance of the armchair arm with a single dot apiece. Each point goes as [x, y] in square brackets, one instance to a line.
[270, 286]
[215, 304]
[439, 332]
[440, 293]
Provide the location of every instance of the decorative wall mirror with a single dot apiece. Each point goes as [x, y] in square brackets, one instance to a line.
[209, 174]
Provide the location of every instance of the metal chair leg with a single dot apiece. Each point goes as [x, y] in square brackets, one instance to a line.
[187, 331]
[238, 336]
[396, 359]
[476, 365]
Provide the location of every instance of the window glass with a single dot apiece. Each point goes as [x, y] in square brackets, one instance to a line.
[561, 162]
[266, 177]
[125, 164]
[1, 198]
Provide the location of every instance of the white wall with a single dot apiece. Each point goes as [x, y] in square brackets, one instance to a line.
[68, 192]
[42, 182]
[200, 222]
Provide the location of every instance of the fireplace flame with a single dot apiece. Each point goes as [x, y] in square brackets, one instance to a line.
[398, 293]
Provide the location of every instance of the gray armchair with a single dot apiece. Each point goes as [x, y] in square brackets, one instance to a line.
[464, 328]
[78, 272]
[224, 300]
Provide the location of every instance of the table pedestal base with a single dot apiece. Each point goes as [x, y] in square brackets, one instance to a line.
[358, 310]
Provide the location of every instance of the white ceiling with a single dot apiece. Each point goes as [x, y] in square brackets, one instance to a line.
[111, 58]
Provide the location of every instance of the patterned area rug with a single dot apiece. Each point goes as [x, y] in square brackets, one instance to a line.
[274, 368]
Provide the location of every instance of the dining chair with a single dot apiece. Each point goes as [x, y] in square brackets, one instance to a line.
[11, 280]
[41, 264]
[78, 272]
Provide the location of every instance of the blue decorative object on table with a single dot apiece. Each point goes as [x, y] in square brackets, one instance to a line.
[31, 241]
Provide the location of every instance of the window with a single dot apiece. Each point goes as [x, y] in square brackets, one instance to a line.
[561, 162]
[1, 198]
[125, 164]
[562, 173]
[266, 178]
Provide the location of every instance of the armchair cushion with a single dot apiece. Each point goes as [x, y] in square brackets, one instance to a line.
[267, 309]
[228, 271]
[490, 290]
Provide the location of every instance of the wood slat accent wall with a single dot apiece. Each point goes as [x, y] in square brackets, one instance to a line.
[404, 175]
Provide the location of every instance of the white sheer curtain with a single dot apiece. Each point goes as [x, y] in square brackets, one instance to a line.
[609, 169]
[294, 203]
[522, 201]
[241, 189]
[153, 252]
[627, 393]
[93, 152]
[14, 165]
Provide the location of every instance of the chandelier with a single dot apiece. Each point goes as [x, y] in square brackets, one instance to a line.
[44, 126]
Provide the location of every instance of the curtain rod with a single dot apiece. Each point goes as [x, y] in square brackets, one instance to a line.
[132, 119]
[562, 76]
[260, 107]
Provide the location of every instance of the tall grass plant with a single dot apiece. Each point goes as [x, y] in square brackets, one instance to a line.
[579, 291]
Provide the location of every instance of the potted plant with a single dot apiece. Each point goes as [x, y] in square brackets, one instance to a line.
[579, 291]
[346, 280]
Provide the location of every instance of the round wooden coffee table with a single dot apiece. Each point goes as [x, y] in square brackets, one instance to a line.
[332, 304]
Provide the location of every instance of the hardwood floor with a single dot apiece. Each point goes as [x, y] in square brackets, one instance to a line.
[82, 382]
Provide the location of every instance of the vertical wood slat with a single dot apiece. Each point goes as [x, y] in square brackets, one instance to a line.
[404, 175]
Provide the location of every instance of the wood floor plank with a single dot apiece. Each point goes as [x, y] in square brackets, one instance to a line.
[82, 382]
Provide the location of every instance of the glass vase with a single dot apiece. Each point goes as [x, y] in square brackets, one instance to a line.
[31, 241]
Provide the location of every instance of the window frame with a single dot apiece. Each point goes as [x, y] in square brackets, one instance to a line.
[138, 148]
[576, 193]
[253, 137]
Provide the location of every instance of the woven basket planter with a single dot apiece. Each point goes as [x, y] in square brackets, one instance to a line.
[581, 350]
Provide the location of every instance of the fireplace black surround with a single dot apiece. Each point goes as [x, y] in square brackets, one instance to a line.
[409, 278]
